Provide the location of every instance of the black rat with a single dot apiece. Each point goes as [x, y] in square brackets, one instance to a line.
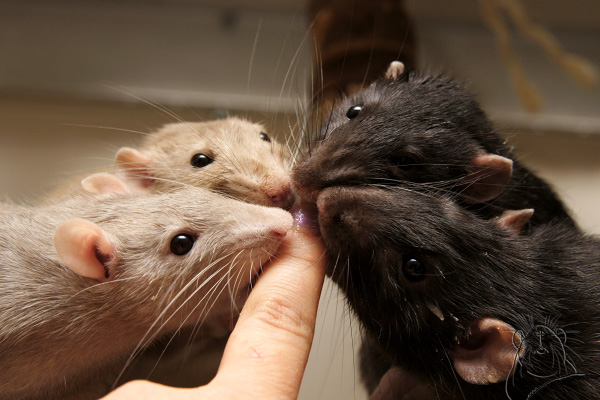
[425, 132]
[88, 281]
[468, 305]
[232, 156]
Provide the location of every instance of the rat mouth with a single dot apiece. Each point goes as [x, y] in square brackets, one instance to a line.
[255, 278]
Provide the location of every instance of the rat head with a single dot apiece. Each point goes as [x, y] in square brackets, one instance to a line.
[434, 284]
[407, 128]
[189, 253]
[231, 156]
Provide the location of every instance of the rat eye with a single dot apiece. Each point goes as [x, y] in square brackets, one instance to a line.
[182, 244]
[413, 269]
[353, 111]
[201, 160]
[404, 162]
[264, 137]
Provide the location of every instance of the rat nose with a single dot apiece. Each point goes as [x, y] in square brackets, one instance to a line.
[280, 223]
[278, 233]
[284, 199]
[279, 196]
[306, 184]
[279, 191]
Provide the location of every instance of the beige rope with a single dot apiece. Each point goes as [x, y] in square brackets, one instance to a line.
[528, 94]
[583, 72]
[578, 68]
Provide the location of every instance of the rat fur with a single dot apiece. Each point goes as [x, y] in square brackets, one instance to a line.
[86, 282]
[427, 132]
[424, 133]
[428, 320]
[239, 160]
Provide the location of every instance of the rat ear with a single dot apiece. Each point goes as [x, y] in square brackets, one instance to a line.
[135, 165]
[490, 354]
[514, 219]
[395, 69]
[85, 248]
[488, 175]
[104, 183]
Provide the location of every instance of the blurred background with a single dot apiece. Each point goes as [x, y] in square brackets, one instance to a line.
[81, 78]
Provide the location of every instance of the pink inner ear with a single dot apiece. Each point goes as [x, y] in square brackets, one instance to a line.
[395, 69]
[135, 167]
[104, 184]
[487, 178]
[515, 220]
[490, 354]
[84, 248]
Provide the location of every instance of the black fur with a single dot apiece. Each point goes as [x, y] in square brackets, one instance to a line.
[475, 269]
[434, 121]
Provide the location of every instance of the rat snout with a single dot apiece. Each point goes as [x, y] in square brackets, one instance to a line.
[339, 200]
[325, 167]
[319, 172]
[341, 213]
[351, 217]
[266, 223]
[281, 225]
[306, 183]
[279, 191]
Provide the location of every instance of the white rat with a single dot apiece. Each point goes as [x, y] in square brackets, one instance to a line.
[86, 282]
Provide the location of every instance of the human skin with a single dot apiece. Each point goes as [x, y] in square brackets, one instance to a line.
[267, 352]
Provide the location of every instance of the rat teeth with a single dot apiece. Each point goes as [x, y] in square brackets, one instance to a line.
[435, 310]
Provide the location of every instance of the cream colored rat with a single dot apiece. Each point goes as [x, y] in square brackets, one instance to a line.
[86, 282]
[232, 156]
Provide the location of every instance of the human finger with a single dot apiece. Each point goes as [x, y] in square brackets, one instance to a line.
[267, 351]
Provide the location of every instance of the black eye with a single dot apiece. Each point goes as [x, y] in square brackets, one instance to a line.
[201, 160]
[353, 111]
[264, 137]
[182, 244]
[413, 269]
[404, 162]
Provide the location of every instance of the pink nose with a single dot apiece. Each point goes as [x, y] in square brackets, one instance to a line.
[284, 199]
[283, 194]
[279, 191]
[279, 233]
[280, 222]
[277, 197]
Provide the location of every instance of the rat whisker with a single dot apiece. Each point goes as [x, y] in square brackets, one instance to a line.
[146, 338]
[108, 128]
[163, 109]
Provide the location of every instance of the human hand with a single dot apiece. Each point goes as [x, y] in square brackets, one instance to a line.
[267, 351]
